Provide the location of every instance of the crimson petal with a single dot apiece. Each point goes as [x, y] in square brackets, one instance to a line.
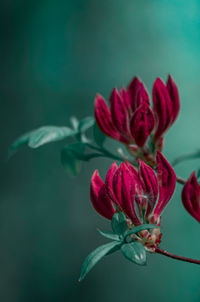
[162, 107]
[142, 124]
[174, 95]
[119, 113]
[124, 190]
[99, 197]
[166, 183]
[149, 183]
[104, 119]
[191, 197]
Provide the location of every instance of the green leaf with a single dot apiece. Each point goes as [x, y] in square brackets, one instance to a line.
[21, 141]
[74, 122]
[85, 124]
[71, 156]
[134, 252]
[77, 150]
[48, 134]
[99, 136]
[119, 224]
[93, 258]
[41, 136]
[140, 228]
[109, 235]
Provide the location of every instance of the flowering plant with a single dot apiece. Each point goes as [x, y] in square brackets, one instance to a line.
[134, 194]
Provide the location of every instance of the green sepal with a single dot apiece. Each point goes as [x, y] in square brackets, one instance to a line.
[135, 252]
[119, 224]
[109, 235]
[94, 257]
[140, 228]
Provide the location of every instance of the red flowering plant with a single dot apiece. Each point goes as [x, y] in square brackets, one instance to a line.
[134, 194]
[131, 121]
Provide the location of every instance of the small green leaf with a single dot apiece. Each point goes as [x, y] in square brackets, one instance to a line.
[119, 224]
[48, 134]
[71, 156]
[99, 136]
[109, 235]
[134, 252]
[93, 258]
[85, 124]
[21, 141]
[74, 122]
[140, 228]
[77, 150]
[41, 136]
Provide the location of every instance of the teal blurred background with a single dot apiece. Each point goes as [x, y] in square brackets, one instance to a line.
[55, 56]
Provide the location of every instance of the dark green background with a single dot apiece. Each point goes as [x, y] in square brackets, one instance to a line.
[55, 56]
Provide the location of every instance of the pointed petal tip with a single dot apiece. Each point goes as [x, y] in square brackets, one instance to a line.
[95, 174]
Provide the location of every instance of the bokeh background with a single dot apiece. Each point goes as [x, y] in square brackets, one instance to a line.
[55, 56]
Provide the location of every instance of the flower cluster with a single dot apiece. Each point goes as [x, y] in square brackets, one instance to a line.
[141, 195]
[131, 121]
[191, 197]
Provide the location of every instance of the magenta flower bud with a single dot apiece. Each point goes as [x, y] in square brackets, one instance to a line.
[142, 124]
[131, 121]
[162, 107]
[136, 195]
[126, 97]
[104, 119]
[99, 197]
[191, 197]
[174, 95]
[119, 113]
[133, 90]
[124, 189]
[109, 182]
[166, 183]
[139, 198]
[141, 97]
[149, 183]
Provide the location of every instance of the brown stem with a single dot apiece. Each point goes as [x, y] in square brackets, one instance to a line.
[180, 180]
[167, 254]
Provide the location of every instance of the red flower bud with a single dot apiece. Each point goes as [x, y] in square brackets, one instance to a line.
[141, 96]
[149, 183]
[166, 183]
[124, 190]
[162, 107]
[104, 119]
[138, 94]
[133, 88]
[99, 197]
[142, 124]
[109, 182]
[119, 113]
[126, 97]
[191, 197]
[174, 95]
[130, 119]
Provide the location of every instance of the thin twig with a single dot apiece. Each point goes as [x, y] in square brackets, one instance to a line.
[180, 180]
[170, 255]
[188, 156]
